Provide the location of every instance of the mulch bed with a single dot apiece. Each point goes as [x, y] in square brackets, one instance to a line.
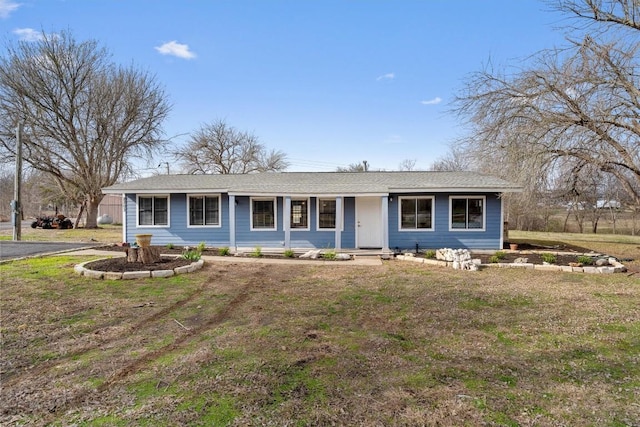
[531, 252]
[120, 264]
[532, 257]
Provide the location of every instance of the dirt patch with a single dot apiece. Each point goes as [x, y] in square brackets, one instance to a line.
[120, 264]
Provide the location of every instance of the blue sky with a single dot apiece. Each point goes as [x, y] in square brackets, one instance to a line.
[328, 82]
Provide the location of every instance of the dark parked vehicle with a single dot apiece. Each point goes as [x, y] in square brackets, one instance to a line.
[48, 222]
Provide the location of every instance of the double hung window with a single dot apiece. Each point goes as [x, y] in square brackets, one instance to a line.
[204, 211]
[467, 213]
[153, 210]
[416, 213]
[263, 213]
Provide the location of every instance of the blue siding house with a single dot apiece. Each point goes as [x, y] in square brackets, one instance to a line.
[304, 210]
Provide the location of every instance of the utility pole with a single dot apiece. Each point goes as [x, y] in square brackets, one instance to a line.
[16, 209]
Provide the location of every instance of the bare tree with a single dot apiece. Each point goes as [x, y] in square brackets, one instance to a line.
[407, 165]
[221, 149]
[354, 167]
[580, 104]
[454, 160]
[84, 117]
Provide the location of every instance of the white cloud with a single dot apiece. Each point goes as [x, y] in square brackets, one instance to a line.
[434, 101]
[174, 48]
[7, 7]
[28, 34]
[388, 76]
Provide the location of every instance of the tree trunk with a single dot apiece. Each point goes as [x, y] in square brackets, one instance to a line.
[77, 223]
[148, 255]
[92, 211]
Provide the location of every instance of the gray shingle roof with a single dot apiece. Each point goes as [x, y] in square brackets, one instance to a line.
[308, 183]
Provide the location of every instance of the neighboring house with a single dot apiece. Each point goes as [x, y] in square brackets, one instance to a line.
[300, 210]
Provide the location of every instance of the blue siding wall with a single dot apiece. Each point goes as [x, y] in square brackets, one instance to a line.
[178, 233]
[440, 236]
[300, 239]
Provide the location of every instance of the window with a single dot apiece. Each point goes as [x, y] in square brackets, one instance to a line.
[467, 213]
[326, 213]
[153, 210]
[300, 213]
[263, 214]
[416, 213]
[204, 211]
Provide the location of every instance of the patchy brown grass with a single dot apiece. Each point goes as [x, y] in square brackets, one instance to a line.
[256, 344]
[104, 234]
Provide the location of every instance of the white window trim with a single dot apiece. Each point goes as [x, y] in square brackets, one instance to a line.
[189, 196]
[167, 225]
[275, 213]
[484, 214]
[318, 214]
[433, 214]
[308, 227]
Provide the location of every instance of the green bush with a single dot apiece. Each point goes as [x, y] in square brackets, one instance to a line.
[585, 260]
[288, 253]
[430, 254]
[224, 251]
[169, 246]
[192, 255]
[329, 254]
[201, 247]
[500, 255]
[549, 258]
[494, 259]
[257, 252]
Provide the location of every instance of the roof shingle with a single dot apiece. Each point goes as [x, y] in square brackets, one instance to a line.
[291, 183]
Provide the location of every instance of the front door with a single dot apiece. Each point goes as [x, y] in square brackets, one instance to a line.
[369, 222]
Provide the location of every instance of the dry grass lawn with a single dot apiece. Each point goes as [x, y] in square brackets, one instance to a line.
[259, 344]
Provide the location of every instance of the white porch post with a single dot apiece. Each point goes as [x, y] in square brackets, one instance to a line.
[232, 223]
[339, 214]
[286, 222]
[385, 223]
[124, 218]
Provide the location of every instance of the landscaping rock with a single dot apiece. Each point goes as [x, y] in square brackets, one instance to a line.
[136, 274]
[162, 273]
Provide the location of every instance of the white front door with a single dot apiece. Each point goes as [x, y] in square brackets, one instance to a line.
[369, 222]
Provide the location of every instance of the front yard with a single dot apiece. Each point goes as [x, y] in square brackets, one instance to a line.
[256, 344]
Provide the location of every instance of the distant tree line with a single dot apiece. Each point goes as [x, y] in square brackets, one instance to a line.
[565, 123]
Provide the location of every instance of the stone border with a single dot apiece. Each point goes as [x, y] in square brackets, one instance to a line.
[129, 275]
[617, 267]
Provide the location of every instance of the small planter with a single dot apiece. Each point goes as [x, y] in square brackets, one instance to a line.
[144, 240]
[513, 246]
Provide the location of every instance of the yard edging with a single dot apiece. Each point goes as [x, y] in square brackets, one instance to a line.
[617, 267]
[81, 270]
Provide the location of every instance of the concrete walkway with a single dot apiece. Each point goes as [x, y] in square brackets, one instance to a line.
[358, 260]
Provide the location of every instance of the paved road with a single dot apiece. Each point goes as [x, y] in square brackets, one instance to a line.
[12, 250]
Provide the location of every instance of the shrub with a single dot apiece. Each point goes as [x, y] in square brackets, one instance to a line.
[201, 247]
[549, 258]
[192, 255]
[169, 246]
[288, 253]
[430, 254]
[257, 252]
[224, 251]
[494, 259]
[585, 260]
[329, 254]
[499, 255]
